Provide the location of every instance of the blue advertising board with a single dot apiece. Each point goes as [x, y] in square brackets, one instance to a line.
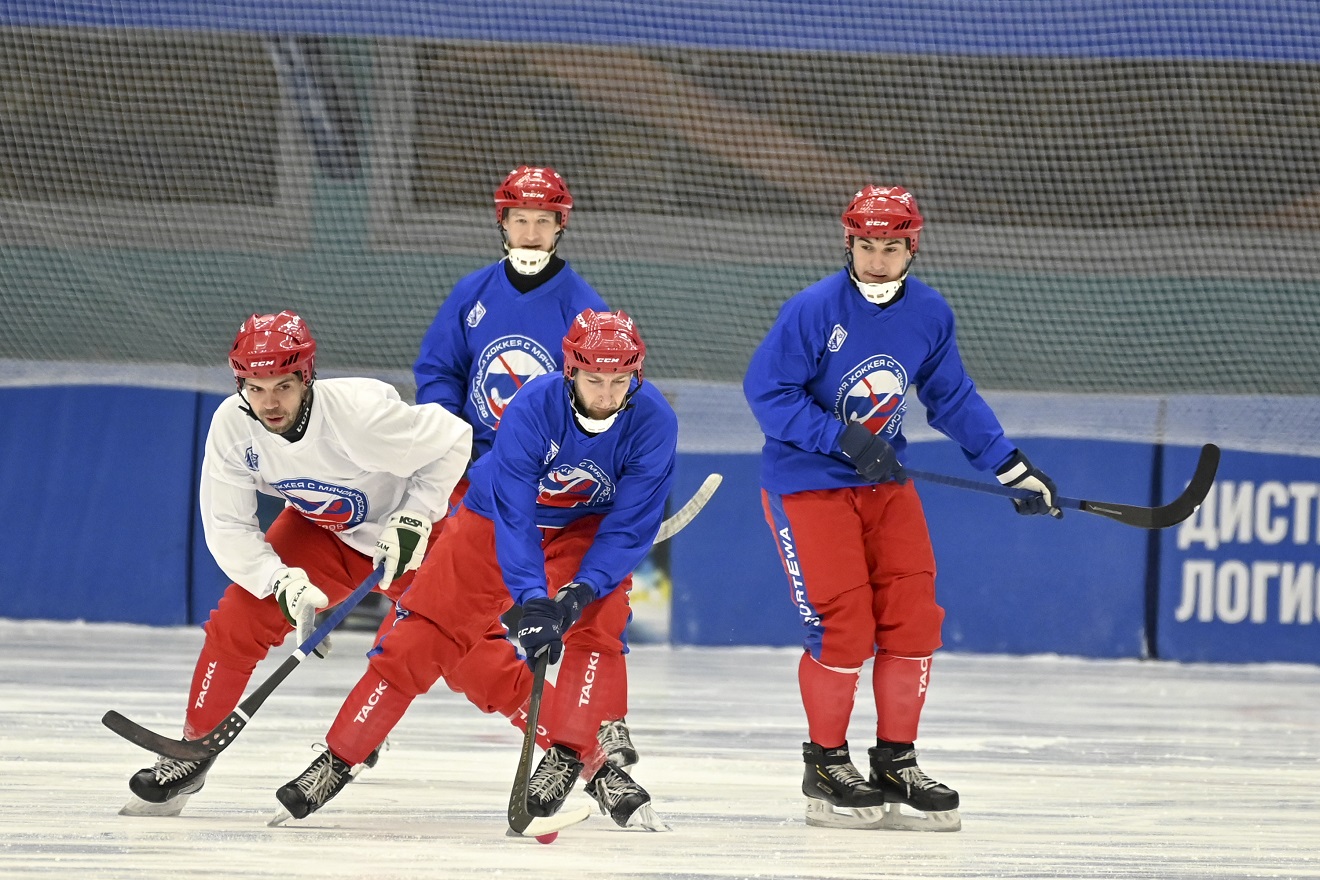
[1240, 580]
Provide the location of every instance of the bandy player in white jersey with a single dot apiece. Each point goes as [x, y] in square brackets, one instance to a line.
[362, 474]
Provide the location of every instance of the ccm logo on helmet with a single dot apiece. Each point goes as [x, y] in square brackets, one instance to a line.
[269, 363]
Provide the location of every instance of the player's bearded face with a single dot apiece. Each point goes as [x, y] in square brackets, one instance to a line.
[600, 395]
[275, 400]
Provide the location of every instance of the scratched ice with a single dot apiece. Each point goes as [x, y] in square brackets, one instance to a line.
[1067, 768]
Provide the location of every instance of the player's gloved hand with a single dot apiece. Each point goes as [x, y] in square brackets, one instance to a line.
[544, 621]
[300, 599]
[873, 457]
[1019, 473]
[401, 545]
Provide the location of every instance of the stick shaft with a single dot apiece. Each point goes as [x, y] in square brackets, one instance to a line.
[519, 817]
[226, 731]
[1142, 517]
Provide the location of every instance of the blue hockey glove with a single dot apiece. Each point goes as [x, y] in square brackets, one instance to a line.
[544, 621]
[1019, 473]
[873, 457]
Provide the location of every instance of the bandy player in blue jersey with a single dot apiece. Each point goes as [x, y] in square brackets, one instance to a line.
[503, 325]
[827, 386]
[499, 328]
[558, 514]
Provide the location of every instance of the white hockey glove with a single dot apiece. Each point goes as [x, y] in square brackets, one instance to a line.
[1019, 473]
[401, 545]
[300, 599]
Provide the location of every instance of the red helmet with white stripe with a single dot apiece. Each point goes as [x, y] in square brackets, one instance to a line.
[534, 187]
[273, 345]
[882, 212]
[603, 342]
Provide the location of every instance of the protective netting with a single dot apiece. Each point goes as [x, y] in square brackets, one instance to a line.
[1118, 200]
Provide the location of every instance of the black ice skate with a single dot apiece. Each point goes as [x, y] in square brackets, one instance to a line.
[372, 759]
[324, 778]
[617, 744]
[837, 795]
[553, 780]
[623, 800]
[895, 772]
[163, 789]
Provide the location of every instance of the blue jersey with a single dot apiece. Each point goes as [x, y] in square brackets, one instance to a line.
[488, 340]
[544, 471]
[833, 357]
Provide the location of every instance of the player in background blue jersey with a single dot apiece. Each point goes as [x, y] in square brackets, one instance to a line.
[828, 387]
[503, 324]
[560, 511]
[499, 328]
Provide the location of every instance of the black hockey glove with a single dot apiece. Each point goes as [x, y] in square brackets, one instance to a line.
[1019, 473]
[873, 457]
[544, 621]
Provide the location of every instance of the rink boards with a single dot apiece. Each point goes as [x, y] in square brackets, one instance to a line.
[101, 482]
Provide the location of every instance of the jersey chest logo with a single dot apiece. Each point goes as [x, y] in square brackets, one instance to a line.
[332, 507]
[575, 485]
[873, 393]
[505, 366]
[837, 338]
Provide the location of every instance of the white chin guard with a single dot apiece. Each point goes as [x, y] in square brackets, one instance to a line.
[882, 293]
[526, 261]
[594, 426]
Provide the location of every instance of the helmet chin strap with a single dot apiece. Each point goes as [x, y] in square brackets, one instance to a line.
[590, 425]
[594, 426]
[295, 431]
[881, 294]
[528, 261]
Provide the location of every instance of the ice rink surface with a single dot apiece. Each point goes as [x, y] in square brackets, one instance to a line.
[1066, 767]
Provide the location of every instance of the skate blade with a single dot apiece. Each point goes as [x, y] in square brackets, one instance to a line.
[645, 818]
[136, 806]
[541, 825]
[896, 819]
[821, 814]
[889, 817]
[279, 818]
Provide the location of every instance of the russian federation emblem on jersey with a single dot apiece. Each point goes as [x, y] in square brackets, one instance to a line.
[336, 508]
[505, 366]
[873, 393]
[572, 485]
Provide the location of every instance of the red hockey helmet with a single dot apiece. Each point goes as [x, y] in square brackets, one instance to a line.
[603, 342]
[273, 345]
[882, 212]
[532, 187]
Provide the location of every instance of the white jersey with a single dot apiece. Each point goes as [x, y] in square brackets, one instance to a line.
[364, 456]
